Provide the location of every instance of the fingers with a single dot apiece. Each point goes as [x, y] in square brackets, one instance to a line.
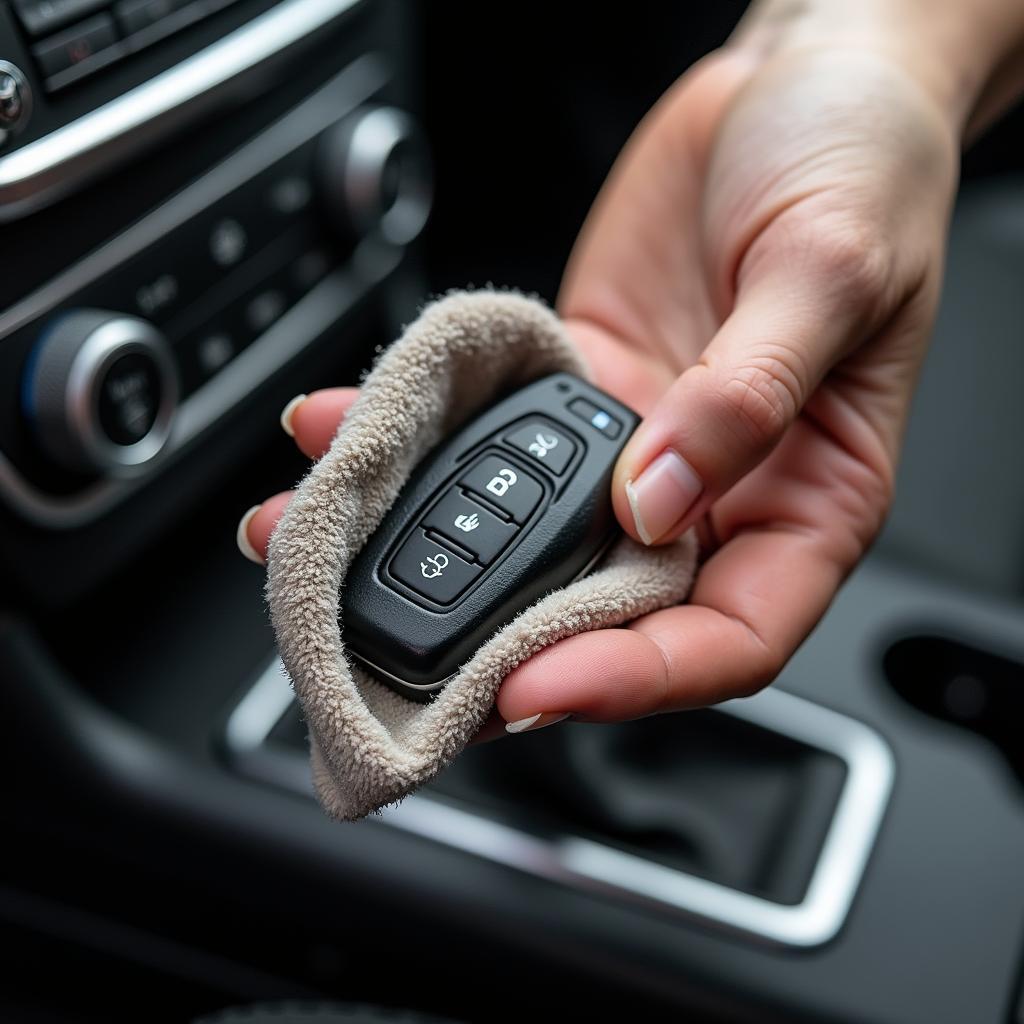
[754, 603]
[313, 420]
[256, 526]
[807, 297]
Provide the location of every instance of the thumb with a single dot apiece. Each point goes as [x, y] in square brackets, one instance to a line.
[724, 415]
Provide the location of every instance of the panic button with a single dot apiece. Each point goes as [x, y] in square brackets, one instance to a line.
[543, 444]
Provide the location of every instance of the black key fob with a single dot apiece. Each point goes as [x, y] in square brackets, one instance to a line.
[515, 505]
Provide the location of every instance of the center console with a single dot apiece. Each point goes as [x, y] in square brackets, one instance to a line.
[255, 195]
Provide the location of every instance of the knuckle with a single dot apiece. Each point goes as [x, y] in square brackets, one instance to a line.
[763, 396]
[848, 252]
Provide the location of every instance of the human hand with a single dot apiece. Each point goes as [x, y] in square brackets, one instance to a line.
[759, 279]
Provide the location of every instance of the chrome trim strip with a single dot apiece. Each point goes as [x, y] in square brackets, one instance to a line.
[325, 304]
[267, 701]
[329, 104]
[42, 171]
[596, 868]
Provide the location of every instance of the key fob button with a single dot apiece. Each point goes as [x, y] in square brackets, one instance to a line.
[542, 443]
[596, 417]
[431, 569]
[505, 485]
[470, 526]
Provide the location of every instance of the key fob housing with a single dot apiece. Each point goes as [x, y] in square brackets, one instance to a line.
[513, 506]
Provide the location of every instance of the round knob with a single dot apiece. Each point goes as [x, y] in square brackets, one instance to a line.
[100, 390]
[375, 172]
[15, 100]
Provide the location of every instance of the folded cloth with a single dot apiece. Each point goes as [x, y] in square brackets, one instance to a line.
[370, 746]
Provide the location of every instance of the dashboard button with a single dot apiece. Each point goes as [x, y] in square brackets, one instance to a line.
[129, 398]
[432, 570]
[265, 308]
[542, 443]
[77, 44]
[505, 485]
[228, 242]
[100, 390]
[214, 351]
[470, 526]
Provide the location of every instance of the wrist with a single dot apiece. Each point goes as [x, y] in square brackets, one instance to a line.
[951, 48]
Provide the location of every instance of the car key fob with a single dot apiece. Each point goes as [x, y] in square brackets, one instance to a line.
[515, 505]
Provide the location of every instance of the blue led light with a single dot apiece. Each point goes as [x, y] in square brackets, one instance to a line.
[601, 420]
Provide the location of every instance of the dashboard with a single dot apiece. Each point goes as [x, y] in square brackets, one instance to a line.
[148, 305]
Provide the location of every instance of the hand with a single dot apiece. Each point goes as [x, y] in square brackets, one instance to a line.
[758, 278]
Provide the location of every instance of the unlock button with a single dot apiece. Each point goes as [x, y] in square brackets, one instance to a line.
[505, 485]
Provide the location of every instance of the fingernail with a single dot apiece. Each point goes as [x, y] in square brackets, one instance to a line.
[242, 536]
[535, 722]
[662, 494]
[288, 412]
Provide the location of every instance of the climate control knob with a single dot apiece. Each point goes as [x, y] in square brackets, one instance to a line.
[375, 175]
[100, 391]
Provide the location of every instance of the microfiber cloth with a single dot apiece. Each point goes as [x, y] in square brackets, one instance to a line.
[370, 746]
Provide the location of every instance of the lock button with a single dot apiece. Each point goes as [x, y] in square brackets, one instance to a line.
[431, 569]
[542, 443]
[470, 526]
[505, 485]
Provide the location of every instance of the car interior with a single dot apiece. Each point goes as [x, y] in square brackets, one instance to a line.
[211, 206]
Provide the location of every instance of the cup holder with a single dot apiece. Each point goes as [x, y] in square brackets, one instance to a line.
[964, 685]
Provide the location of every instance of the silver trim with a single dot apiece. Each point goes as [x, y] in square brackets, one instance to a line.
[601, 869]
[42, 171]
[376, 137]
[314, 313]
[111, 340]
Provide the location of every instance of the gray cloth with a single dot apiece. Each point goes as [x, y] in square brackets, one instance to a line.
[371, 747]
